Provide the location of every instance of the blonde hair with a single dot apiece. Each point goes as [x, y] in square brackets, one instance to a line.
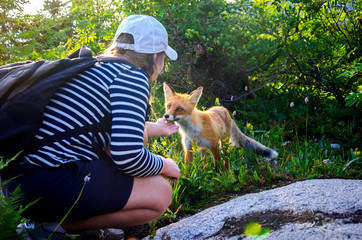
[142, 60]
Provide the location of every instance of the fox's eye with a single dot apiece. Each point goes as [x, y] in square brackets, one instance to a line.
[179, 109]
[168, 106]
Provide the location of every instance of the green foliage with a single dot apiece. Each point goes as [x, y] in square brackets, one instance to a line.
[10, 214]
[60, 28]
[223, 46]
[11, 209]
[255, 229]
[354, 99]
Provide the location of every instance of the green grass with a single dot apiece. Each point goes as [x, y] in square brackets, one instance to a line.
[297, 160]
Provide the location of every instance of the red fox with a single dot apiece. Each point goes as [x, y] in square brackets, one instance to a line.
[208, 127]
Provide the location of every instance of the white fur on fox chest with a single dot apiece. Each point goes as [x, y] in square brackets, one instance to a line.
[189, 131]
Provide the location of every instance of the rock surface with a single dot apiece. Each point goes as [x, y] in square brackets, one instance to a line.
[312, 209]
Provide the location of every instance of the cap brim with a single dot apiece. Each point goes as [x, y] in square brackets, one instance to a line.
[171, 53]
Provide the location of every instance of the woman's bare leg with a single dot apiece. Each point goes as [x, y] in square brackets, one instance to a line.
[150, 198]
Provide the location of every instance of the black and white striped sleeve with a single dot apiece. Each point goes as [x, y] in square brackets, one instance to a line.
[129, 95]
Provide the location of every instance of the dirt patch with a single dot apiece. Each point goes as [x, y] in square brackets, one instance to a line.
[274, 220]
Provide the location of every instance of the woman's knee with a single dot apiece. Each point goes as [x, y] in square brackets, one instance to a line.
[152, 192]
[167, 191]
[163, 191]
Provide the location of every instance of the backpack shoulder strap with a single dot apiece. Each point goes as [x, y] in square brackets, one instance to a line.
[102, 126]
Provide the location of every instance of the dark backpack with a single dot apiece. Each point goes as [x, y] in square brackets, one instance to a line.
[25, 90]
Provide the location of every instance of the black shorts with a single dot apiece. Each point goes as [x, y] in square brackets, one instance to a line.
[55, 190]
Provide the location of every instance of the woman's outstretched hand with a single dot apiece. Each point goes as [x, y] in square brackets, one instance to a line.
[166, 128]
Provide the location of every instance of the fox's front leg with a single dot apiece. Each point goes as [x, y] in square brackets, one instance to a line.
[217, 159]
[202, 152]
[187, 144]
[189, 157]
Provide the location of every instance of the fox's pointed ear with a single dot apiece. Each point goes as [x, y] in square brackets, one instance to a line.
[195, 95]
[168, 91]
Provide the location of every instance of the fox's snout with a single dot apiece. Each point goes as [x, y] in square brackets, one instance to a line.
[169, 117]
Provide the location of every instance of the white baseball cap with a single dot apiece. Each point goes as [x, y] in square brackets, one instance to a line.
[149, 35]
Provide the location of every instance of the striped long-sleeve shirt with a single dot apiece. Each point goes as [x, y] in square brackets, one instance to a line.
[118, 88]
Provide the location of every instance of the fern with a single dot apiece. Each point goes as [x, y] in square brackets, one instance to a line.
[10, 214]
[11, 209]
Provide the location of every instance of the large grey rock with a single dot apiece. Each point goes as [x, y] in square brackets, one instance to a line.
[330, 203]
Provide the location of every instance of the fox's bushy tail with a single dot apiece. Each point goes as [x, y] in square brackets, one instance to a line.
[241, 140]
